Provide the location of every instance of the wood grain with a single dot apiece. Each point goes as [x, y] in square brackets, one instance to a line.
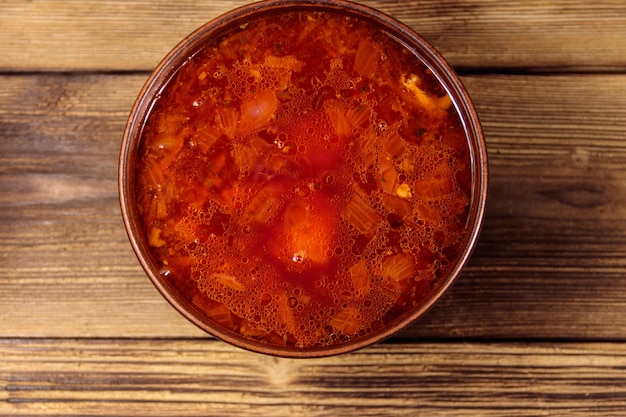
[120, 35]
[189, 378]
[550, 263]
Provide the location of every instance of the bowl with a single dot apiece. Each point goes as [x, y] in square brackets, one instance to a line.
[303, 178]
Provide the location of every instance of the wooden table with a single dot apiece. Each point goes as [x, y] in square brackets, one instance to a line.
[534, 326]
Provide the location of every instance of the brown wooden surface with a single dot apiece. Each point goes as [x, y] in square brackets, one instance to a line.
[191, 378]
[535, 325]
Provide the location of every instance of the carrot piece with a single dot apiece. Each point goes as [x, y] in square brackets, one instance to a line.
[221, 314]
[155, 176]
[337, 113]
[169, 133]
[400, 206]
[161, 209]
[229, 119]
[228, 280]
[274, 338]
[368, 141]
[216, 166]
[427, 213]
[244, 156]
[168, 141]
[361, 278]
[154, 239]
[434, 187]
[407, 164]
[249, 330]
[206, 136]
[361, 215]
[340, 122]
[398, 267]
[359, 115]
[394, 146]
[261, 209]
[263, 205]
[391, 294]
[366, 58]
[347, 321]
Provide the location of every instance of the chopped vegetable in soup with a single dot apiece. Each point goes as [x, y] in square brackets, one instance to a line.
[304, 180]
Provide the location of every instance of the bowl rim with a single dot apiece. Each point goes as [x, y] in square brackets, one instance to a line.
[167, 68]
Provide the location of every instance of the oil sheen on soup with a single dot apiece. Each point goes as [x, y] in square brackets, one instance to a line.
[303, 180]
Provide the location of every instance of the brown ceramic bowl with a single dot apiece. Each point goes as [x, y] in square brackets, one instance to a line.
[476, 189]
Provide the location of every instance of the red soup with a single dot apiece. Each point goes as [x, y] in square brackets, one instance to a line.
[304, 180]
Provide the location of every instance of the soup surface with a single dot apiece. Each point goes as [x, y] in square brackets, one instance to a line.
[304, 180]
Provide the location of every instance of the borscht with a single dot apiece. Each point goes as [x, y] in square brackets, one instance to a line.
[304, 179]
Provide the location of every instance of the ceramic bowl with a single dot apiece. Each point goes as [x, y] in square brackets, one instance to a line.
[416, 48]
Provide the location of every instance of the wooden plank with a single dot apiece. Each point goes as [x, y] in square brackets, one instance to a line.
[118, 35]
[191, 377]
[551, 261]
[72, 270]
